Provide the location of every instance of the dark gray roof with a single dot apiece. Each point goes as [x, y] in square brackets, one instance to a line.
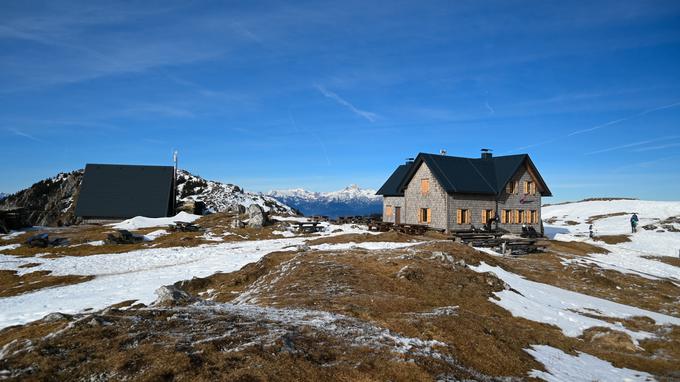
[470, 175]
[124, 191]
[392, 186]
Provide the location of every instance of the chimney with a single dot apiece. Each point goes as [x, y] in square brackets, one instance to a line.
[486, 154]
[410, 160]
[442, 152]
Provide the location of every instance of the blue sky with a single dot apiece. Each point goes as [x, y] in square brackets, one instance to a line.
[320, 95]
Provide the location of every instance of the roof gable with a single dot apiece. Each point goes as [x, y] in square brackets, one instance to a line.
[124, 191]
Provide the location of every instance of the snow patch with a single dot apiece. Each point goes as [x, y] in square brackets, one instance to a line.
[139, 222]
[584, 367]
[565, 309]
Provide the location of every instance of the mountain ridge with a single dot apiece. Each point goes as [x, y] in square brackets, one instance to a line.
[350, 201]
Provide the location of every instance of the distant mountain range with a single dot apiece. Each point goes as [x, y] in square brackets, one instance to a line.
[350, 201]
[3, 195]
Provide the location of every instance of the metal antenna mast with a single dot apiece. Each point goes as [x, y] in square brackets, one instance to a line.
[174, 183]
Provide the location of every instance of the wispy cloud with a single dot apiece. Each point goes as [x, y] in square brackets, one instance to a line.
[601, 126]
[617, 121]
[489, 108]
[633, 144]
[23, 134]
[657, 147]
[369, 116]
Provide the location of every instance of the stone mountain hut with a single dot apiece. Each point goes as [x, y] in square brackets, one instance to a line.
[456, 193]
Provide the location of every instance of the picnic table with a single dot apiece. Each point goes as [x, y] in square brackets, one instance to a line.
[309, 226]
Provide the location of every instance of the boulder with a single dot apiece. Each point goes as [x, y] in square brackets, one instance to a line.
[123, 236]
[236, 209]
[171, 295]
[38, 241]
[257, 218]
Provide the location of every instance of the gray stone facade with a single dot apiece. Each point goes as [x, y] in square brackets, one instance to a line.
[444, 207]
[434, 199]
[392, 202]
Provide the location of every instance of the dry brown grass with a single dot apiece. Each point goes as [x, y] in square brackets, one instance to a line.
[363, 238]
[11, 284]
[79, 236]
[613, 239]
[674, 261]
[595, 218]
[576, 248]
[399, 290]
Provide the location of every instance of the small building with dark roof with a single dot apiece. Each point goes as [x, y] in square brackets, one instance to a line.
[116, 192]
[457, 193]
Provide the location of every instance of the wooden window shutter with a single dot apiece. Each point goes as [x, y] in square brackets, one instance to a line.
[508, 188]
[517, 217]
[429, 216]
[483, 216]
[468, 217]
[424, 186]
[516, 187]
[504, 219]
[459, 217]
[388, 210]
[533, 188]
[526, 218]
[493, 213]
[420, 215]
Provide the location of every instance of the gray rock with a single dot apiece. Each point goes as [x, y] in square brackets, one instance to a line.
[257, 218]
[53, 317]
[171, 295]
[303, 247]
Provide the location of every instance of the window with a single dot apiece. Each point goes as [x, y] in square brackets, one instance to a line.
[519, 217]
[506, 217]
[486, 215]
[388, 211]
[463, 216]
[529, 187]
[534, 217]
[425, 215]
[424, 186]
[512, 187]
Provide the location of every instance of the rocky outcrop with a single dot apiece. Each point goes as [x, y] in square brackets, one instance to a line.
[49, 202]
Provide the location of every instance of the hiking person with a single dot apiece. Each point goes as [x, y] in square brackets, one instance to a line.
[634, 222]
[590, 229]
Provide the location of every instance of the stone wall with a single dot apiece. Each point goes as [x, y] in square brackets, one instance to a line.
[477, 203]
[473, 202]
[435, 199]
[392, 201]
[520, 201]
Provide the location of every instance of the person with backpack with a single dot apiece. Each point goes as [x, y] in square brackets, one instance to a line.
[634, 222]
